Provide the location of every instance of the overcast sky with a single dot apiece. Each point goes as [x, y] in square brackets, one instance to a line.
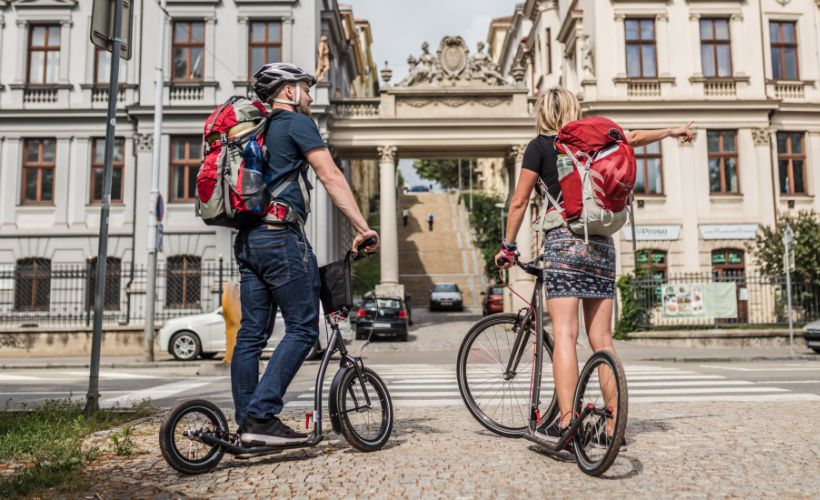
[400, 26]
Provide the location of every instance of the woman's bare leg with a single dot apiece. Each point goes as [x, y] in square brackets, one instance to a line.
[598, 320]
[564, 314]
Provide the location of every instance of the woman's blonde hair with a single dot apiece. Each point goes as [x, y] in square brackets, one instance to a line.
[555, 108]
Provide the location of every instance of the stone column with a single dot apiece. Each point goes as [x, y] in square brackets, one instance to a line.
[389, 233]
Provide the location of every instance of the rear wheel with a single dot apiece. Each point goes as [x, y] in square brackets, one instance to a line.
[177, 436]
[500, 401]
[602, 387]
[366, 427]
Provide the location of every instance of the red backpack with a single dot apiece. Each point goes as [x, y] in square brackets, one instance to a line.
[230, 191]
[597, 176]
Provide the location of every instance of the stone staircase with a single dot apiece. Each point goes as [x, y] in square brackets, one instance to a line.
[445, 255]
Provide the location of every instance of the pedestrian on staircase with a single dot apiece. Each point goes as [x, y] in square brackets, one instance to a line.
[405, 215]
[430, 221]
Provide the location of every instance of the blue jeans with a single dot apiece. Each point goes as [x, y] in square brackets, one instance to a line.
[277, 271]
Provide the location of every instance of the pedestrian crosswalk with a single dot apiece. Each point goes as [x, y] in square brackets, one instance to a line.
[426, 385]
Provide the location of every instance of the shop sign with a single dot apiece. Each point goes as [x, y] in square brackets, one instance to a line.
[728, 231]
[700, 300]
[652, 233]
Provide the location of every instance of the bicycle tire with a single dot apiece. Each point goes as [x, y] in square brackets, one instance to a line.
[170, 448]
[590, 431]
[517, 426]
[350, 393]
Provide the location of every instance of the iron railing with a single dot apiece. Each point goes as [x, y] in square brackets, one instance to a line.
[62, 295]
[761, 300]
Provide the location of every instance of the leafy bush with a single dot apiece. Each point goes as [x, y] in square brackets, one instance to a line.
[631, 314]
[485, 219]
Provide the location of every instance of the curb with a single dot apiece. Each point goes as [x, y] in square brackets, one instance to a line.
[65, 366]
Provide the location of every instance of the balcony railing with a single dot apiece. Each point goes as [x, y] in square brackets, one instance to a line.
[643, 89]
[720, 88]
[191, 93]
[789, 90]
[40, 95]
[356, 108]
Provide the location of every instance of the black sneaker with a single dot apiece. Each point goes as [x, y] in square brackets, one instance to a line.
[269, 433]
[554, 432]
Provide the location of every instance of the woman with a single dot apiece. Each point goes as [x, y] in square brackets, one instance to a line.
[573, 270]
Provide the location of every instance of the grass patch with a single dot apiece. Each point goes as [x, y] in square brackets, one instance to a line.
[46, 444]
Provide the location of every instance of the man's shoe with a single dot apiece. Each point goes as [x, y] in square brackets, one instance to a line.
[269, 433]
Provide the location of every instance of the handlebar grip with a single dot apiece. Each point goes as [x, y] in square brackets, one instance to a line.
[500, 262]
[367, 243]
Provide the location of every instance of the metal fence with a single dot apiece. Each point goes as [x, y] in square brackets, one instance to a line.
[761, 300]
[37, 294]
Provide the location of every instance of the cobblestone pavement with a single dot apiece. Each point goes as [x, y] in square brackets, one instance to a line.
[675, 450]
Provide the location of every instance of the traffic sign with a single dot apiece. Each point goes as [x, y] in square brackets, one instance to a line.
[102, 26]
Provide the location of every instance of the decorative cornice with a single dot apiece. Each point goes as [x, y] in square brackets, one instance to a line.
[40, 4]
[761, 136]
[455, 102]
[387, 154]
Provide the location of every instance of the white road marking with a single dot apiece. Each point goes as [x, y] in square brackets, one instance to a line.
[17, 378]
[104, 374]
[764, 368]
[160, 391]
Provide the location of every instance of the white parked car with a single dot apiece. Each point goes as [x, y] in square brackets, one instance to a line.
[203, 335]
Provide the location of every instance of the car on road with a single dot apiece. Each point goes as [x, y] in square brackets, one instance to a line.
[419, 189]
[203, 335]
[811, 334]
[492, 300]
[446, 296]
[382, 316]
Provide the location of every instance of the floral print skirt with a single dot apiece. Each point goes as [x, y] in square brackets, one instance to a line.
[573, 268]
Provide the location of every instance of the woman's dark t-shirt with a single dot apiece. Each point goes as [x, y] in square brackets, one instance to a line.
[540, 157]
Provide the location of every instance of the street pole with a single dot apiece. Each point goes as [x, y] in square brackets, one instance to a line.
[151, 278]
[459, 177]
[92, 399]
[788, 237]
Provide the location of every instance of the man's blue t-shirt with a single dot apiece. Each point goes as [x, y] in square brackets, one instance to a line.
[290, 136]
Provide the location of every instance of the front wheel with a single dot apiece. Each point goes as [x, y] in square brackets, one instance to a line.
[601, 387]
[496, 391]
[177, 436]
[366, 427]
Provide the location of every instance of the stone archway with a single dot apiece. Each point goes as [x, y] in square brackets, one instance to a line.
[452, 104]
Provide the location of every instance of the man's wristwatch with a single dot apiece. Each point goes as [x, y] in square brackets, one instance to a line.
[509, 246]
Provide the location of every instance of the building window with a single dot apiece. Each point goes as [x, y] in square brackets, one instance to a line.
[723, 176]
[183, 281]
[186, 155]
[548, 49]
[640, 48]
[715, 48]
[728, 266]
[38, 171]
[43, 53]
[791, 161]
[783, 36]
[653, 262]
[264, 44]
[648, 163]
[188, 50]
[113, 272]
[102, 67]
[98, 167]
[32, 284]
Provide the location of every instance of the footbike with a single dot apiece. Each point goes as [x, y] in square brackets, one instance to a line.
[194, 436]
[501, 367]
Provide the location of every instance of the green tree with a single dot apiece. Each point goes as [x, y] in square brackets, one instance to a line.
[768, 248]
[445, 172]
[485, 219]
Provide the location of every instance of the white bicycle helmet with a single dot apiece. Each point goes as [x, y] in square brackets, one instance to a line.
[270, 77]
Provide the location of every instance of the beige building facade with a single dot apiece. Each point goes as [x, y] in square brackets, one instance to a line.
[746, 72]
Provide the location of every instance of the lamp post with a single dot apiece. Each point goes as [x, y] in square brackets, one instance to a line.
[788, 267]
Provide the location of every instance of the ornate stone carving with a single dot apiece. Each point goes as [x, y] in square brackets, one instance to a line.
[587, 57]
[456, 102]
[452, 66]
[517, 152]
[783, 2]
[144, 143]
[761, 136]
[323, 59]
[387, 154]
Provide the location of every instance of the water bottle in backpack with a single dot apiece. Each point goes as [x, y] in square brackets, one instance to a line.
[252, 179]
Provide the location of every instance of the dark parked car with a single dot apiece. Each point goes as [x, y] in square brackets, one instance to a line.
[382, 316]
[493, 300]
[419, 189]
[811, 333]
[446, 296]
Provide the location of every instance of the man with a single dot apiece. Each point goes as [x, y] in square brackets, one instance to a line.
[276, 263]
[405, 216]
[430, 218]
